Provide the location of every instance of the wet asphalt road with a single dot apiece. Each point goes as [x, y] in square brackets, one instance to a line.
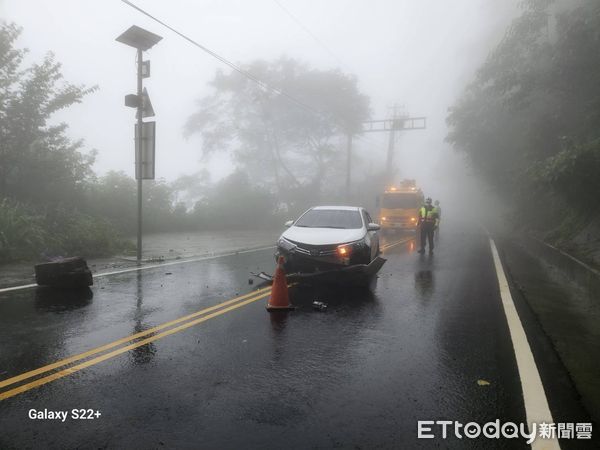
[357, 376]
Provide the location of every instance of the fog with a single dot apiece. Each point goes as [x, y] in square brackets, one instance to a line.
[464, 267]
[419, 55]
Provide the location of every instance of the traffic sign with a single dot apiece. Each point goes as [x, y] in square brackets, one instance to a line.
[145, 170]
[147, 110]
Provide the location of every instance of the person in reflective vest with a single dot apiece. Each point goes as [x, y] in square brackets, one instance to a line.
[427, 222]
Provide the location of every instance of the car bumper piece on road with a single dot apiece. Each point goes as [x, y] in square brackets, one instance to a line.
[358, 274]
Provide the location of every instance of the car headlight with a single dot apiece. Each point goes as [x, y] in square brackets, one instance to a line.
[345, 250]
[284, 244]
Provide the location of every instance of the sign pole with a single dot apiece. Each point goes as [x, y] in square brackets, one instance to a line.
[138, 169]
[141, 40]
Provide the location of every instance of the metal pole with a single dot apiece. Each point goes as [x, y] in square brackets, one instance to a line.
[348, 166]
[138, 168]
[390, 154]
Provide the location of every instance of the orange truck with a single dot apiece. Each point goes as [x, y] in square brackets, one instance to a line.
[399, 206]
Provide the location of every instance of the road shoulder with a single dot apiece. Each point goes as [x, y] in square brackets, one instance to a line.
[558, 343]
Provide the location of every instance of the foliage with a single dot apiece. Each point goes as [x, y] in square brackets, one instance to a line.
[38, 162]
[114, 197]
[530, 120]
[53, 203]
[75, 233]
[574, 172]
[235, 202]
[44, 176]
[22, 231]
[187, 189]
[288, 147]
[30, 233]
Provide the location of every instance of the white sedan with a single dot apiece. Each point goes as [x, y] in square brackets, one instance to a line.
[329, 237]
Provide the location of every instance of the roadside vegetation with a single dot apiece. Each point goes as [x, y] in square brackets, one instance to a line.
[530, 122]
[44, 175]
[52, 203]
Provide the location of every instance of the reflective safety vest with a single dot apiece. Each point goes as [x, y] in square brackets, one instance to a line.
[428, 215]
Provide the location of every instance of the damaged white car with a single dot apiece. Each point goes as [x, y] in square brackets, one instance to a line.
[326, 238]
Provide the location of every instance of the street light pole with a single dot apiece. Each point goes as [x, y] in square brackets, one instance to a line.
[141, 40]
[138, 168]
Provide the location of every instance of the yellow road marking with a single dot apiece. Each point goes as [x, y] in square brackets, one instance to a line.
[385, 247]
[70, 370]
[7, 394]
[110, 345]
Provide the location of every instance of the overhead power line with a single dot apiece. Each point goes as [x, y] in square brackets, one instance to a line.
[310, 33]
[234, 66]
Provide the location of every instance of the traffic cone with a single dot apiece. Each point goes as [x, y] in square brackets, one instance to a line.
[279, 299]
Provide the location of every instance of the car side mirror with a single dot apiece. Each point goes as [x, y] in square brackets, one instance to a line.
[289, 223]
[373, 227]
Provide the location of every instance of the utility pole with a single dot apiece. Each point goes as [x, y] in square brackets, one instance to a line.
[398, 122]
[390, 156]
[348, 165]
[389, 178]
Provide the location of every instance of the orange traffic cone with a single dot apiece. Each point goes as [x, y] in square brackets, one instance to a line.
[279, 299]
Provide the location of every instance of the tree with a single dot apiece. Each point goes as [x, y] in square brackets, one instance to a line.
[114, 197]
[530, 120]
[235, 203]
[287, 146]
[38, 162]
[188, 189]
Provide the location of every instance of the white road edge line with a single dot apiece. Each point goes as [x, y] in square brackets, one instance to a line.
[534, 396]
[151, 266]
[16, 288]
[166, 264]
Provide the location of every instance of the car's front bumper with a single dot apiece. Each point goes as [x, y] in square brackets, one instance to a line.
[359, 275]
[308, 259]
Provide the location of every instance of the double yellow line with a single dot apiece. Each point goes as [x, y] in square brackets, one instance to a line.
[134, 340]
[186, 322]
[393, 244]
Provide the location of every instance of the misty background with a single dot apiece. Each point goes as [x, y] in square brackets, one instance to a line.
[419, 56]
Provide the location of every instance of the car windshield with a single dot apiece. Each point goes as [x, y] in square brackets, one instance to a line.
[400, 201]
[330, 218]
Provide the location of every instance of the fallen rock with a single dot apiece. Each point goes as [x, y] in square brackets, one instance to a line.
[67, 273]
